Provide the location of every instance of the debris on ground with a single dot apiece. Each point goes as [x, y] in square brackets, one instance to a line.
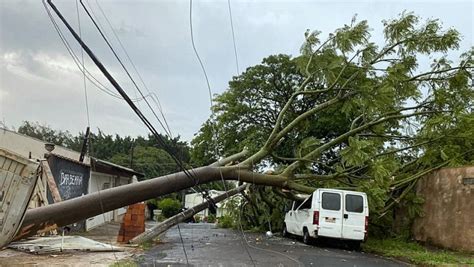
[45, 245]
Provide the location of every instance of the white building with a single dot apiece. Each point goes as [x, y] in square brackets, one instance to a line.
[72, 178]
[193, 199]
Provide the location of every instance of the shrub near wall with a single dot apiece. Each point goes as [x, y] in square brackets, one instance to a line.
[169, 207]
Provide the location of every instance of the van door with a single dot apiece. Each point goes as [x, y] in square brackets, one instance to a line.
[330, 215]
[290, 219]
[303, 215]
[354, 217]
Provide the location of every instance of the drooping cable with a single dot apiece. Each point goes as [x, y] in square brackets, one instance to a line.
[196, 53]
[233, 37]
[119, 89]
[82, 61]
[123, 66]
[195, 50]
[155, 98]
[88, 140]
[180, 164]
[77, 62]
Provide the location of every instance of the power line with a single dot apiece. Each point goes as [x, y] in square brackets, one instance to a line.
[147, 123]
[156, 100]
[233, 37]
[84, 76]
[82, 67]
[195, 50]
[123, 66]
[178, 161]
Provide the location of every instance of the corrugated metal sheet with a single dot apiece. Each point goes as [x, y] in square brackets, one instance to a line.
[17, 182]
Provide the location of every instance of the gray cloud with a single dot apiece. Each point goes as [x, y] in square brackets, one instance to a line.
[39, 82]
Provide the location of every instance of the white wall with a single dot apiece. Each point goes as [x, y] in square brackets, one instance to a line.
[191, 200]
[101, 181]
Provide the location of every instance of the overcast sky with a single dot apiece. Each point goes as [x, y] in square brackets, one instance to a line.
[39, 81]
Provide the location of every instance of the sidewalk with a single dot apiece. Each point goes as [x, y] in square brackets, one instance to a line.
[106, 233]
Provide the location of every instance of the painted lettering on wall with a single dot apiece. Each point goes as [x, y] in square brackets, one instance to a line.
[70, 178]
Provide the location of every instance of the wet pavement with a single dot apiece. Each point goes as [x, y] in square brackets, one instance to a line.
[206, 245]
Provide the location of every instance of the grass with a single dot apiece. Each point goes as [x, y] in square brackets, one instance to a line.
[124, 263]
[416, 253]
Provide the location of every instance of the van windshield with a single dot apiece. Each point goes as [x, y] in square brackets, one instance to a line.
[354, 203]
[331, 201]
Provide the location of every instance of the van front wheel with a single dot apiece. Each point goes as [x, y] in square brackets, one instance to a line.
[284, 233]
[306, 237]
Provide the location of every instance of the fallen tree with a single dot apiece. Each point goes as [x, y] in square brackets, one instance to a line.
[390, 122]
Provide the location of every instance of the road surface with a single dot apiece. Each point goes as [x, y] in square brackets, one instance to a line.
[207, 245]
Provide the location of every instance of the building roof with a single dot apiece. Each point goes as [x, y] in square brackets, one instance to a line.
[22, 144]
[103, 166]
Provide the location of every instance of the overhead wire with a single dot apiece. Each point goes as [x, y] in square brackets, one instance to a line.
[198, 57]
[88, 140]
[123, 66]
[253, 177]
[137, 111]
[89, 76]
[233, 37]
[147, 123]
[180, 164]
[155, 99]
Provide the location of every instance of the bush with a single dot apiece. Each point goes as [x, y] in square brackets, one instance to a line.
[169, 207]
[211, 218]
[225, 222]
[197, 218]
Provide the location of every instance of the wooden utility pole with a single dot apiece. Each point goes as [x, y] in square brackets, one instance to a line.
[182, 216]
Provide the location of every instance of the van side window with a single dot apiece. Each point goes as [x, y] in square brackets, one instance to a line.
[307, 203]
[331, 201]
[354, 203]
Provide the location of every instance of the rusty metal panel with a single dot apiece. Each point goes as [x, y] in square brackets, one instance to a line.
[17, 182]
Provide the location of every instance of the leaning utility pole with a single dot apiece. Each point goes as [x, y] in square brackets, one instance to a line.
[182, 216]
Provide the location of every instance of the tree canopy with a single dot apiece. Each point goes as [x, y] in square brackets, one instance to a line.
[350, 113]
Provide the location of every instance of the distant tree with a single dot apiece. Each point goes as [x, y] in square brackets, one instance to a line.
[151, 161]
[46, 133]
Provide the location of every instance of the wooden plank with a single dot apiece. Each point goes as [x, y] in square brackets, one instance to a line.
[51, 182]
[7, 178]
[16, 192]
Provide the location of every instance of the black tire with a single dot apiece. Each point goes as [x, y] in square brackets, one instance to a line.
[284, 233]
[354, 245]
[306, 237]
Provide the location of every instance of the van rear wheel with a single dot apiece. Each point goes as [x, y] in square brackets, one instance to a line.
[354, 245]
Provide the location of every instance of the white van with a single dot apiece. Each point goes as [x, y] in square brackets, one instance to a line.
[330, 213]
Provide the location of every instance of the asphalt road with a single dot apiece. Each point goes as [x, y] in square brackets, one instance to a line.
[207, 245]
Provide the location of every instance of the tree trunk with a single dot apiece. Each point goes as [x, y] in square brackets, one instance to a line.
[46, 218]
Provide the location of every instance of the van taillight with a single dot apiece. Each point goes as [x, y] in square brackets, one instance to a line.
[316, 217]
[366, 227]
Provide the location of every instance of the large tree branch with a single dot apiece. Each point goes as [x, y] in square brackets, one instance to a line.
[315, 153]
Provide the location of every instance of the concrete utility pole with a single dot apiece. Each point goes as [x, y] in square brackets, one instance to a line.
[182, 216]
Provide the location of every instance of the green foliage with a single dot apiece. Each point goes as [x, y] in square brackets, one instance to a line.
[381, 121]
[225, 221]
[151, 161]
[169, 207]
[47, 134]
[416, 253]
[211, 218]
